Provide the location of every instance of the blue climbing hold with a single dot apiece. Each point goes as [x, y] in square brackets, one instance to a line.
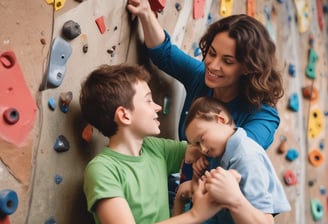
[8, 202]
[293, 102]
[292, 154]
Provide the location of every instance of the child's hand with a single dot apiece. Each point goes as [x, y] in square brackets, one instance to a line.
[192, 154]
[200, 166]
[223, 185]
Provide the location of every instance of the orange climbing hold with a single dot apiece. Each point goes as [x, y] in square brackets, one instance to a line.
[87, 133]
[310, 92]
[316, 157]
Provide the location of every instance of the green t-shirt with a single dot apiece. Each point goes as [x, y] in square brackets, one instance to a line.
[141, 180]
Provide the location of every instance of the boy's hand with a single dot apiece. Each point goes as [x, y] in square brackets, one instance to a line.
[200, 166]
[192, 154]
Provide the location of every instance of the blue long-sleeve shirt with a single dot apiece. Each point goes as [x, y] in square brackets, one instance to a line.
[260, 124]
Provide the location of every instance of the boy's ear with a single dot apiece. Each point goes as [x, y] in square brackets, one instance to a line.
[221, 118]
[122, 115]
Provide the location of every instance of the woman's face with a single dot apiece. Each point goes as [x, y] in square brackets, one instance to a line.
[223, 71]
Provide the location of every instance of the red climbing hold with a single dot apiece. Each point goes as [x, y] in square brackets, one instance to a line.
[101, 24]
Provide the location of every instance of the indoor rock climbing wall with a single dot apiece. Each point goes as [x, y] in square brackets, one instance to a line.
[48, 47]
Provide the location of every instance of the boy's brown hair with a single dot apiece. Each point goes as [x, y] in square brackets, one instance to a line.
[107, 88]
[204, 108]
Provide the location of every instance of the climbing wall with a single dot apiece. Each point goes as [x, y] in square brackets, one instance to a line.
[48, 47]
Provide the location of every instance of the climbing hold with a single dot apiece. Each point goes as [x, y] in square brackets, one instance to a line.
[58, 179]
[60, 52]
[293, 102]
[157, 5]
[71, 30]
[16, 98]
[316, 157]
[251, 8]
[292, 70]
[198, 9]
[61, 144]
[178, 6]
[65, 100]
[322, 190]
[311, 182]
[52, 103]
[322, 144]
[8, 202]
[58, 4]
[87, 133]
[84, 41]
[290, 178]
[226, 8]
[311, 66]
[43, 41]
[315, 124]
[303, 15]
[4, 219]
[320, 14]
[316, 209]
[11, 116]
[197, 52]
[292, 154]
[101, 24]
[310, 92]
[282, 147]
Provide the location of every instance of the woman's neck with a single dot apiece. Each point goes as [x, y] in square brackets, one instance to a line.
[225, 94]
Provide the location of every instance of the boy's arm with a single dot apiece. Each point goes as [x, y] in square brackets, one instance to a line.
[182, 196]
[203, 208]
[120, 212]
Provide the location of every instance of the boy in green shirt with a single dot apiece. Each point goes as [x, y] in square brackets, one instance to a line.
[127, 181]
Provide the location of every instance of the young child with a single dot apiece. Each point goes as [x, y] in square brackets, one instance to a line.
[127, 181]
[259, 195]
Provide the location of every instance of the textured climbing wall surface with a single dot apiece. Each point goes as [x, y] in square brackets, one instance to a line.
[42, 152]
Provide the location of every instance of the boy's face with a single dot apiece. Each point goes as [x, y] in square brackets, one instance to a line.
[144, 116]
[208, 136]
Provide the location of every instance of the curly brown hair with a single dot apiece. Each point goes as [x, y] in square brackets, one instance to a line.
[262, 83]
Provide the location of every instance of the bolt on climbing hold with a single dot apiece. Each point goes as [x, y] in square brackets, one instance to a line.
[292, 70]
[316, 209]
[71, 30]
[100, 21]
[84, 40]
[65, 100]
[8, 202]
[61, 144]
[290, 178]
[282, 147]
[87, 133]
[291, 155]
[293, 102]
[322, 190]
[58, 179]
[311, 66]
[315, 123]
[310, 93]
[60, 52]
[316, 157]
[11, 116]
[52, 103]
